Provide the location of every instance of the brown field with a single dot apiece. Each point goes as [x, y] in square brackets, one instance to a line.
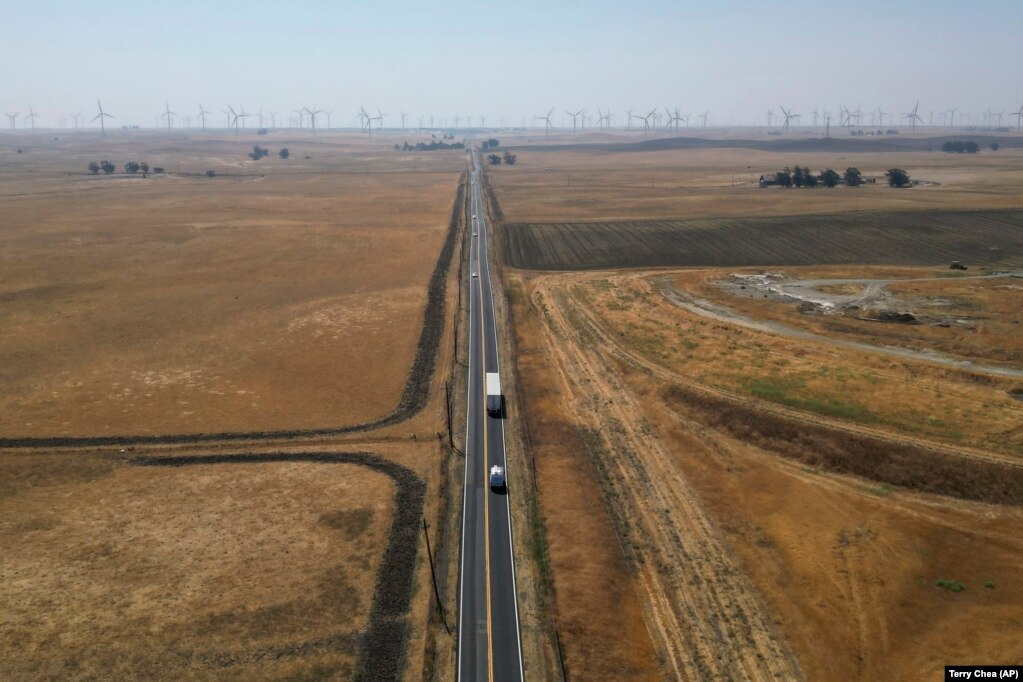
[841, 502]
[592, 185]
[903, 238]
[284, 295]
[737, 494]
[278, 299]
[111, 570]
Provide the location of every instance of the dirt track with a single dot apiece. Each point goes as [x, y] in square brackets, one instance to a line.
[707, 621]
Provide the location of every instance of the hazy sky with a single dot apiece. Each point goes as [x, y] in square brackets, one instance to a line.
[508, 59]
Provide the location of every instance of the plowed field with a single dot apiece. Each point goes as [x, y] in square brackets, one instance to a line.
[887, 238]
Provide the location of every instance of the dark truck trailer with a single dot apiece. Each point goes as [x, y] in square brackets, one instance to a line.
[495, 401]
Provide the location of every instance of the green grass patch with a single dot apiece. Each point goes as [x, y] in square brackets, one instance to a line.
[791, 391]
[950, 585]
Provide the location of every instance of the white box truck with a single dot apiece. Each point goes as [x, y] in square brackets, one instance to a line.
[495, 401]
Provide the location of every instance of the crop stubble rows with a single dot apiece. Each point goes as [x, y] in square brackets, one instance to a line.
[904, 238]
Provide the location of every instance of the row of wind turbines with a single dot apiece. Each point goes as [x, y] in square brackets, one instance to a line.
[848, 118]
[669, 119]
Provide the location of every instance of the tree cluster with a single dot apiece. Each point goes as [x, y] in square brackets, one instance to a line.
[960, 147]
[105, 166]
[491, 144]
[897, 177]
[134, 167]
[496, 160]
[434, 145]
[804, 177]
[258, 153]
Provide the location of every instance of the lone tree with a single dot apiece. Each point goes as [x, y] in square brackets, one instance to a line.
[494, 159]
[93, 168]
[510, 158]
[829, 177]
[897, 177]
[144, 167]
[132, 167]
[798, 176]
[853, 178]
[284, 153]
[994, 146]
[107, 167]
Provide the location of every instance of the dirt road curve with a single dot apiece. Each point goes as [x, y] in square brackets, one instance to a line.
[874, 289]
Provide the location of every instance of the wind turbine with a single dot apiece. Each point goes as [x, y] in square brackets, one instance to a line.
[646, 121]
[546, 122]
[76, 117]
[102, 115]
[703, 117]
[574, 116]
[13, 118]
[240, 115]
[788, 117]
[202, 115]
[313, 113]
[167, 114]
[629, 117]
[880, 116]
[816, 115]
[366, 121]
[301, 115]
[912, 116]
[403, 115]
[31, 116]
[770, 117]
[1019, 118]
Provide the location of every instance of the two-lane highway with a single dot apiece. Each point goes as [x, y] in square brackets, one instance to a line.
[489, 644]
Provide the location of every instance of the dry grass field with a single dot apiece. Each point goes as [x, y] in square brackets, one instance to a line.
[276, 299]
[278, 294]
[714, 493]
[598, 185]
[111, 570]
[795, 491]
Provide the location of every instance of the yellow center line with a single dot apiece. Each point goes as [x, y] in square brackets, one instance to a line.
[486, 461]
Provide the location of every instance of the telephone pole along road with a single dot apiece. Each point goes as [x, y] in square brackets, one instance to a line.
[489, 643]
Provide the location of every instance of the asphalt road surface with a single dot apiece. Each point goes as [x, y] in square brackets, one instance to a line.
[489, 645]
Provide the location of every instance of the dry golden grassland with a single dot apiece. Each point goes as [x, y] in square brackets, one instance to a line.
[750, 477]
[234, 571]
[855, 574]
[899, 395]
[278, 294]
[596, 185]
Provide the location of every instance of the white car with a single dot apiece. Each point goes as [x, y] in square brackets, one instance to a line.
[473, 234]
[496, 478]
[475, 274]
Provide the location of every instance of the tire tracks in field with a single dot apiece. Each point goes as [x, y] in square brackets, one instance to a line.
[413, 398]
[706, 619]
[382, 646]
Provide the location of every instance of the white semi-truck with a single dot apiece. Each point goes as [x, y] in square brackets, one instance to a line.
[495, 401]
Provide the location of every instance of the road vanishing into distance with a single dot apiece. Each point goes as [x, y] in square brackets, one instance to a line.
[489, 644]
